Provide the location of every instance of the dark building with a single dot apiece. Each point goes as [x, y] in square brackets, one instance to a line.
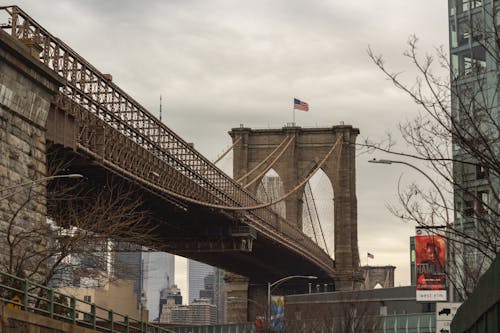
[413, 276]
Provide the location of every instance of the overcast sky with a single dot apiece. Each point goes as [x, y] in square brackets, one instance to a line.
[221, 63]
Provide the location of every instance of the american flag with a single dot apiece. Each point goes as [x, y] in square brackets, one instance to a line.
[299, 105]
[371, 256]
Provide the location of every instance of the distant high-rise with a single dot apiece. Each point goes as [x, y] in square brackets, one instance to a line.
[128, 265]
[271, 188]
[151, 272]
[197, 272]
[159, 274]
[206, 282]
[169, 297]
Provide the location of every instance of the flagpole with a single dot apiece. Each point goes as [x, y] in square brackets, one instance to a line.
[293, 122]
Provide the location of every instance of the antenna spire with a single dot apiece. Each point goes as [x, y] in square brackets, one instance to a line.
[160, 107]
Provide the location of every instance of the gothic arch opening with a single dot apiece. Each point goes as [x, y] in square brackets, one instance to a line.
[318, 211]
[271, 188]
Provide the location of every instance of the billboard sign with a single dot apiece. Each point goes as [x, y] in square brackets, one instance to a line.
[430, 265]
[277, 322]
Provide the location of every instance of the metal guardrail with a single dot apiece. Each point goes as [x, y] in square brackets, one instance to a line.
[25, 295]
[226, 328]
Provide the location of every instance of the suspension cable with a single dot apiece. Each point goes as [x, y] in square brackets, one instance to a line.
[227, 151]
[270, 165]
[264, 160]
[319, 220]
[207, 204]
[310, 215]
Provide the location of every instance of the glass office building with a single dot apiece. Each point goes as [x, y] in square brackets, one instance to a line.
[475, 121]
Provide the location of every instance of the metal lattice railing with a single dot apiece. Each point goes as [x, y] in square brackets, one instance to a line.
[25, 295]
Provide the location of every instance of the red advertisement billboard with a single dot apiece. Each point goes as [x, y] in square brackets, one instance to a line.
[430, 262]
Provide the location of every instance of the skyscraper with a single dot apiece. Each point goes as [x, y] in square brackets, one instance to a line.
[206, 282]
[159, 275]
[151, 272]
[197, 272]
[474, 61]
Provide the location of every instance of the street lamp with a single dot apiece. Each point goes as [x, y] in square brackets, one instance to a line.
[278, 282]
[438, 190]
[423, 173]
[33, 182]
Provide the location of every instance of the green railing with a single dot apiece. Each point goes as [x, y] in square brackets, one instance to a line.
[225, 328]
[29, 296]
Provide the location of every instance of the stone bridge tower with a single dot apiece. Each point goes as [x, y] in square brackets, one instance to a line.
[309, 147]
[378, 275]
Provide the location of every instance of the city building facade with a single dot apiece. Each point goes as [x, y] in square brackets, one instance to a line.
[118, 295]
[207, 282]
[159, 276]
[172, 296]
[197, 271]
[474, 61]
[199, 312]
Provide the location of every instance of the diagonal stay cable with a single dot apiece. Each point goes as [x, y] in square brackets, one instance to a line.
[227, 151]
[319, 221]
[259, 176]
[308, 188]
[232, 208]
[264, 160]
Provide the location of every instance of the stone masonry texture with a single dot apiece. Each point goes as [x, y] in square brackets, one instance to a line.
[26, 90]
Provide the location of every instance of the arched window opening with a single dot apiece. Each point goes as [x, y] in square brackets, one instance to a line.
[271, 188]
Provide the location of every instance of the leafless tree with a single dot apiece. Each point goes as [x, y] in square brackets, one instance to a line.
[456, 137]
[343, 315]
[86, 223]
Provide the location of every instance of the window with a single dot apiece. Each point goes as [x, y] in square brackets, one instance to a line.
[87, 298]
[481, 172]
[463, 34]
[483, 200]
[468, 208]
[458, 212]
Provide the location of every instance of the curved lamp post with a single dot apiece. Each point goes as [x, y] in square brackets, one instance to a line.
[33, 182]
[278, 282]
[437, 188]
[423, 173]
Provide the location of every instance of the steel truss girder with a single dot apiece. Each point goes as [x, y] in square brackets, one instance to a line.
[184, 246]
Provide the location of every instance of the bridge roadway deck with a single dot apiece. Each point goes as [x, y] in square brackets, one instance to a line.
[103, 130]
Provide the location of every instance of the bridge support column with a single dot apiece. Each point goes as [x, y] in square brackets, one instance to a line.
[257, 301]
[236, 291]
[26, 90]
[245, 300]
[309, 147]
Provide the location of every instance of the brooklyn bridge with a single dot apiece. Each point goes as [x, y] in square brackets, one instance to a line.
[77, 116]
